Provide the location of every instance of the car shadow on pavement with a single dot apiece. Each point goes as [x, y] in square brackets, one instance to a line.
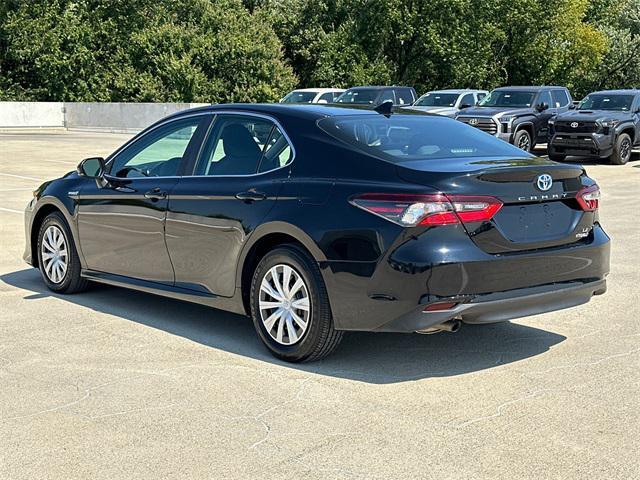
[378, 358]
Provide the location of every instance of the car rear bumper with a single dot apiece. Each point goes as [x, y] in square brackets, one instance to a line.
[447, 266]
[502, 306]
[585, 145]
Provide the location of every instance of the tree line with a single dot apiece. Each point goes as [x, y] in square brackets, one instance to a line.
[257, 50]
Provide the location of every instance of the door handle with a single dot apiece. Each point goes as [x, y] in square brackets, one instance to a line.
[155, 194]
[250, 196]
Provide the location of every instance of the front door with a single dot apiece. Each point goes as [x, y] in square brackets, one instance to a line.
[542, 118]
[121, 221]
[234, 186]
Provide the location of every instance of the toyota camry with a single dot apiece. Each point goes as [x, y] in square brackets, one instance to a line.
[315, 220]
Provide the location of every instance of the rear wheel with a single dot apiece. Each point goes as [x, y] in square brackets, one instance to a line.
[290, 306]
[57, 257]
[522, 140]
[622, 150]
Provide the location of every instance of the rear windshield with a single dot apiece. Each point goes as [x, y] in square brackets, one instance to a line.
[404, 138]
[360, 96]
[299, 97]
[621, 103]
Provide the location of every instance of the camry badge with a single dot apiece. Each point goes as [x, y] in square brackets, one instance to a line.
[574, 124]
[544, 182]
[473, 121]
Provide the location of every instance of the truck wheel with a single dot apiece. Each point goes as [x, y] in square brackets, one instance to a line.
[290, 306]
[622, 150]
[522, 140]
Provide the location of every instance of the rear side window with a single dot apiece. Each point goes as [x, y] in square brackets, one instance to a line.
[405, 97]
[560, 99]
[467, 100]
[326, 97]
[404, 138]
[234, 146]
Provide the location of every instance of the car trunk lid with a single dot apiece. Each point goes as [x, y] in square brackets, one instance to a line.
[539, 209]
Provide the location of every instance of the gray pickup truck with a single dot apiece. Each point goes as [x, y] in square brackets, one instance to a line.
[604, 125]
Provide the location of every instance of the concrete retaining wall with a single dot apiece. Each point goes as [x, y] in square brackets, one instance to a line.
[31, 114]
[111, 117]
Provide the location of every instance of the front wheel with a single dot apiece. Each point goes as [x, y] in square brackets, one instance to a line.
[290, 306]
[522, 140]
[57, 257]
[622, 150]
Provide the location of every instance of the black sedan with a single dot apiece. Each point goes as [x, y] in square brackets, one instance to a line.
[314, 220]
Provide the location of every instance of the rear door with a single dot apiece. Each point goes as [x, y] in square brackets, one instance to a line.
[232, 187]
[121, 224]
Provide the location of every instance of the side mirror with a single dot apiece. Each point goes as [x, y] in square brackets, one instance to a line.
[92, 167]
[541, 107]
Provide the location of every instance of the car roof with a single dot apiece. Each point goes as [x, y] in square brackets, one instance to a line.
[311, 111]
[377, 87]
[319, 90]
[533, 88]
[630, 91]
[455, 90]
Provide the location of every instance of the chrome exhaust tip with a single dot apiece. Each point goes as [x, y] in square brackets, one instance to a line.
[448, 326]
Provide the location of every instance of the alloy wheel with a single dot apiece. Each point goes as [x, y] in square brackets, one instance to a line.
[284, 304]
[625, 150]
[54, 252]
[523, 143]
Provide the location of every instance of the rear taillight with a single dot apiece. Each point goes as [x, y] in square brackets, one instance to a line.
[588, 198]
[439, 209]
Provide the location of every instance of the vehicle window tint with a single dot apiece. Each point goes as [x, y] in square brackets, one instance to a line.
[560, 98]
[468, 100]
[403, 138]
[336, 95]
[385, 96]
[234, 146]
[326, 97]
[545, 97]
[158, 153]
[405, 97]
[277, 152]
[480, 96]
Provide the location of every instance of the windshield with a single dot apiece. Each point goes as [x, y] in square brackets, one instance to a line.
[360, 96]
[404, 138]
[621, 103]
[437, 100]
[508, 98]
[299, 97]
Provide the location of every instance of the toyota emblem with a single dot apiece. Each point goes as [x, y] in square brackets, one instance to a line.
[473, 121]
[574, 124]
[544, 182]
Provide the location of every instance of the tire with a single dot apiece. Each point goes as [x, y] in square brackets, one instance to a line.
[57, 278]
[621, 150]
[522, 140]
[287, 338]
[557, 157]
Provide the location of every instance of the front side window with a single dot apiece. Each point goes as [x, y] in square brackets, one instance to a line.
[326, 98]
[560, 98]
[600, 101]
[467, 100]
[404, 138]
[405, 96]
[157, 154]
[386, 96]
[509, 98]
[545, 97]
[435, 99]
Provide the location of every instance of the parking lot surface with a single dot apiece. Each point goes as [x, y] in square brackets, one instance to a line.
[118, 384]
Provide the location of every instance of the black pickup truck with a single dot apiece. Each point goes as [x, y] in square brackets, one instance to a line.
[605, 125]
[518, 115]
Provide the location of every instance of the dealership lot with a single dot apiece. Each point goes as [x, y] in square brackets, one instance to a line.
[118, 384]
